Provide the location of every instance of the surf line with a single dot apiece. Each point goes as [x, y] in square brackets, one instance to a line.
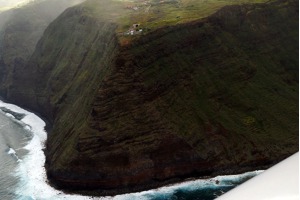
[31, 170]
[34, 180]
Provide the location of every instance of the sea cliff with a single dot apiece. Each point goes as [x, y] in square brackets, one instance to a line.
[205, 97]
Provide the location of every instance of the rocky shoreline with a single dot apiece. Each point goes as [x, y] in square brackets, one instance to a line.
[214, 96]
[69, 188]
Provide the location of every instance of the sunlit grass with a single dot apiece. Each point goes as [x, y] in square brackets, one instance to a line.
[154, 13]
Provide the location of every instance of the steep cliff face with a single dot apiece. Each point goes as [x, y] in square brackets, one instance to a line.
[218, 95]
[206, 97]
[72, 56]
[20, 30]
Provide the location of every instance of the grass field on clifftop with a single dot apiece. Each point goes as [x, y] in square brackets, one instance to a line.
[153, 14]
[203, 90]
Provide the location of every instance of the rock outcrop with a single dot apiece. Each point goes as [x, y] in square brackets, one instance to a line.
[217, 95]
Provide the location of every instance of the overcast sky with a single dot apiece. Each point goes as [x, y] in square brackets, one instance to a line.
[6, 4]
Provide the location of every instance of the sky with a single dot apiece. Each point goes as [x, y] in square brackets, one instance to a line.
[7, 4]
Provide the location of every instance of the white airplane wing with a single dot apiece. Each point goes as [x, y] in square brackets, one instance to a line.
[280, 182]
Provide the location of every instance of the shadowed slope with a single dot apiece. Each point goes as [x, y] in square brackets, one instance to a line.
[190, 100]
[20, 30]
[217, 95]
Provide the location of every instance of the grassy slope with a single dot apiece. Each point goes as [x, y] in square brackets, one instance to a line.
[243, 75]
[20, 33]
[235, 75]
[224, 90]
[155, 14]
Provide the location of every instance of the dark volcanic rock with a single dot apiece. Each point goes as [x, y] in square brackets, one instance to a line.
[219, 95]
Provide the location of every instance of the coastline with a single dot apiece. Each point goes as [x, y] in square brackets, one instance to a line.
[35, 182]
[261, 150]
[269, 184]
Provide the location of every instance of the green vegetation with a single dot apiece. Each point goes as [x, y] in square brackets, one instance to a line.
[221, 79]
[157, 14]
[220, 92]
[20, 30]
[203, 91]
[154, 14]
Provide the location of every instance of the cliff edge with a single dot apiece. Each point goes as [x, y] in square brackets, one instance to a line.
[215, 95]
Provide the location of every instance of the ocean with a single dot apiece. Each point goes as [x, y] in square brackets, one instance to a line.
[23, 177]
[13, 138]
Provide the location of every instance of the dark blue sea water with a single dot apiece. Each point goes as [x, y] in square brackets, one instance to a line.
[22, 173]
[205, 189]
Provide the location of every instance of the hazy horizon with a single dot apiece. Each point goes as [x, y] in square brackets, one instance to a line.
[5, 5]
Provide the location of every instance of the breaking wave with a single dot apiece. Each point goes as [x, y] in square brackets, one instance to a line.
[33, 184]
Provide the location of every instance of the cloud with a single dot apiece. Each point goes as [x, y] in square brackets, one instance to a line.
[6, 5]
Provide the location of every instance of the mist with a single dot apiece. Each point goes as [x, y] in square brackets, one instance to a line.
[21, 27]
[46, 9]
[5, 5]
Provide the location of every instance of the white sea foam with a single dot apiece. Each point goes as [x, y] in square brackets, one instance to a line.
[32, 172]
[280, 182]
[34, 181]
[167, 191]
[10, 115]
[27, 127]
[13, 153]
